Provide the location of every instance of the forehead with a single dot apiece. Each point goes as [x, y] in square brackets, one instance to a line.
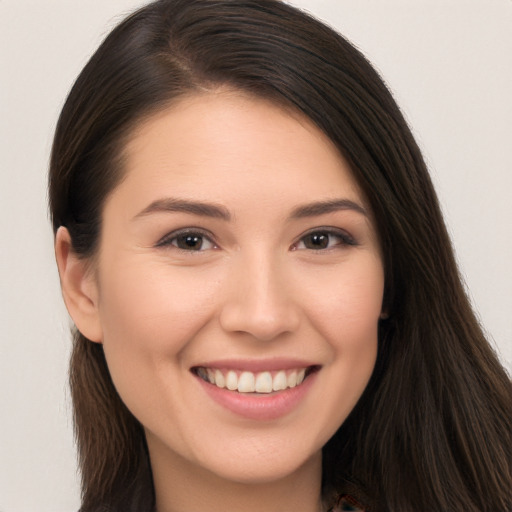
[229, 146]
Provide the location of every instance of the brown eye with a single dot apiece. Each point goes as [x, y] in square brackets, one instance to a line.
[324, 239]
[192, 241]
[316, 241]
[189, 242]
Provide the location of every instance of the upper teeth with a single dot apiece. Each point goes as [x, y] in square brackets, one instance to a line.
[249, 382]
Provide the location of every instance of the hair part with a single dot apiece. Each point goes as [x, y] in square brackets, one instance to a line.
[432, 430]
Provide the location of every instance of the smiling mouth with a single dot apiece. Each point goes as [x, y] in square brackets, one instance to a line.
[254, 382]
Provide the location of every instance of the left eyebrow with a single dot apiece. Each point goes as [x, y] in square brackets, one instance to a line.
[324, 207]
[200, 208]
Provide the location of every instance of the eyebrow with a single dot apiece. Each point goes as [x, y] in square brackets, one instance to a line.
[200, 208]
[205, 209]
[324, 207]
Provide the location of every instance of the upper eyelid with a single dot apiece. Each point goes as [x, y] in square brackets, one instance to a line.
[207, 234]
[326, 229]
[182, 231]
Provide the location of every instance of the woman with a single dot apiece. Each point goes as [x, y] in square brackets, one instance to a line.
[269, 315]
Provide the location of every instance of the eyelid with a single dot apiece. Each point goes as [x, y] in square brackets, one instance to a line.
[347, 238]
[166, 240]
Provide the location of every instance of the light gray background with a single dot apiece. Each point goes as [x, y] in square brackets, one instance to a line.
[448, 64]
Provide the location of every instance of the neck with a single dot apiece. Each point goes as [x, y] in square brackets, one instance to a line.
[181, 486]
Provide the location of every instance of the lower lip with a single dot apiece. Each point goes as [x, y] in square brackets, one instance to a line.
[261, 407]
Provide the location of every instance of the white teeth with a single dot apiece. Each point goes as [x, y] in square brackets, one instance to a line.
[279, 383]
[292, 379]
[219, 379]
[249, 382]
[263, 383]
[231, 381]
[246, 382]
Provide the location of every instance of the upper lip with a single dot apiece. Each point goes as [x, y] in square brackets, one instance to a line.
[257, 365]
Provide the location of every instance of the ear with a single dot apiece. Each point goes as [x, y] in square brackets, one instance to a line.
[79, 287]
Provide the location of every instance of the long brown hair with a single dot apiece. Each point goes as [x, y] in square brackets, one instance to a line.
[432, 430]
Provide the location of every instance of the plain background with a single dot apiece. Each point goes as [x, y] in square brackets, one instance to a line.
[448, 65]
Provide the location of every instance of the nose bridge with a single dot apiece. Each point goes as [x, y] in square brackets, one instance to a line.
[259, 301]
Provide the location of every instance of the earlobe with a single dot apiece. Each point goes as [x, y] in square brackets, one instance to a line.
[79, 287]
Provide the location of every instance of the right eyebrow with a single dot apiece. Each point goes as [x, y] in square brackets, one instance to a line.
[171, 204]
[324, 207]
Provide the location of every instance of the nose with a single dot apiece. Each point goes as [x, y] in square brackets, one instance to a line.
[259, 300]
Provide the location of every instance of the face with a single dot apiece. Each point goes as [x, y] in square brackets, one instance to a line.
[239, 287]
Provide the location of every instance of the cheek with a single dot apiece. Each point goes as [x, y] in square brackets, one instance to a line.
[154, 306]
[348, 319]
[347, 310]
[149, 314]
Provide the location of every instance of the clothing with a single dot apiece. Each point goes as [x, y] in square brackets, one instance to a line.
[347, 503]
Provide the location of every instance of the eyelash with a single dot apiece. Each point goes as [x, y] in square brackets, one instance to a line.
[190, 233]
[344, 239]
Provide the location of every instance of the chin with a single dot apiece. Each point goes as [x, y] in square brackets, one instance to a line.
[260, 461]
[263, 470]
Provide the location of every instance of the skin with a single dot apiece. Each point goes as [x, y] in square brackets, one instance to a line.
[255, 290]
